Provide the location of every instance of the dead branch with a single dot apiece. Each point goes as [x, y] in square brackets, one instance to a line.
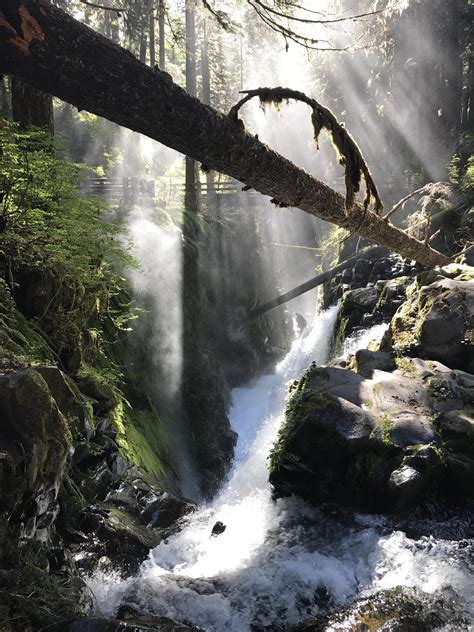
[401, 202]
[117, 10]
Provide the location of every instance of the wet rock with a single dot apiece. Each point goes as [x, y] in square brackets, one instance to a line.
[437, 322]
[163, 510]
[369, 361]
[132, 518]
[384, 443]
[398, 610]
[405, 485]
[104, 399]
[218, 528]
[34, 443]
[356, 303]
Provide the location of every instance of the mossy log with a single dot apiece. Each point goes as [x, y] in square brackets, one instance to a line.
[44, 46]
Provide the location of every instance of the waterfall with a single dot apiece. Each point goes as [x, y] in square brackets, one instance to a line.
[157, 286]
[276, 562]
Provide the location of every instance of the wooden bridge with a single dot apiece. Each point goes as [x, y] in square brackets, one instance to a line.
[213, 193]
[127, 190]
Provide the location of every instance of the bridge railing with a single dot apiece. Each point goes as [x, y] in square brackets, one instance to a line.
[127, 189]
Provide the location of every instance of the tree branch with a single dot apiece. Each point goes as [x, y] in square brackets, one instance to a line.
[117, 10]
[401, 202]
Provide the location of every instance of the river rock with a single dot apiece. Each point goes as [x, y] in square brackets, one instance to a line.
[368, 361]
[371, 305]
[437, 321]
[398, 610]
[380, 443]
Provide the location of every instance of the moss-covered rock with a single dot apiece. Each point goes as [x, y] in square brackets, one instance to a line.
[381, 443]
[35, 439]
[436, 322]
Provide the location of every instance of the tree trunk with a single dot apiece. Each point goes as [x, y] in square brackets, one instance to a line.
[206, 92]
[31, 107]
[61, 56]
[5, 97]
[151, 31]
[374, 251]
[161, 40]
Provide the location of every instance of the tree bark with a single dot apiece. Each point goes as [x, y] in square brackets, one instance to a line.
[31, 107]
[151, 31]
[41, 44]
[161, 36]
[206, 91]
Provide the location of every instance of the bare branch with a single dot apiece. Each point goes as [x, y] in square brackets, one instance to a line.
[289, 16]
[401, 202]
[117, 10]
[222, 18]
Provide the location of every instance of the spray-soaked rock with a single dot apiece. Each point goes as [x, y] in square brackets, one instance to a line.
[383, 443]
[34, 443]
[398, 610]
[437, 321]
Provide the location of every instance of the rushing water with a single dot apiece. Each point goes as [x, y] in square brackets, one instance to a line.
[277, 562]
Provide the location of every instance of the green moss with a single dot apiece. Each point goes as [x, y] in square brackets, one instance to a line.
[341, 332]
[408, 323]
[406, 367]
[143, 440]
[301, 402]
[383, 429]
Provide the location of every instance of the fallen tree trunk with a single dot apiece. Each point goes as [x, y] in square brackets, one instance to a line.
[315, 281]
[41, 44]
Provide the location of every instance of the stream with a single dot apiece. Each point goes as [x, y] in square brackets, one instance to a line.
[277, 563]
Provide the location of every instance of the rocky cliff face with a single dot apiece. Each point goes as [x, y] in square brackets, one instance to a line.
[80, 480]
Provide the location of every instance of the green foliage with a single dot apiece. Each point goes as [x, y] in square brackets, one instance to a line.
[461, 174]
[467, 181]
[454, 169]
[51, 230]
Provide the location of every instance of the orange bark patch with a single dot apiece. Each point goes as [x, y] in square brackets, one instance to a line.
[32, 31]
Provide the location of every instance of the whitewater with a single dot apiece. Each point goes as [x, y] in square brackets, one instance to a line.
[278, 563]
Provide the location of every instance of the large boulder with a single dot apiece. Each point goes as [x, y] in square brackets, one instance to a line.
[437, 320]
[398, 610]
[34, 442]
[380, 443]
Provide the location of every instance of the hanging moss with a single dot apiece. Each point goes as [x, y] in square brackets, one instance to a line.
[347, 149]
